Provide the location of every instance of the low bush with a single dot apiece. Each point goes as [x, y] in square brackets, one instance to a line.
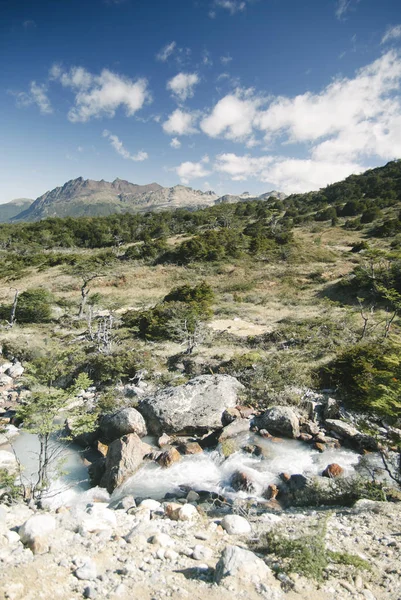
[368, 376]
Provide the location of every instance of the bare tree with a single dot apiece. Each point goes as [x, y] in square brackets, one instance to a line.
[14, 307]
[189, 332]
[85, 289]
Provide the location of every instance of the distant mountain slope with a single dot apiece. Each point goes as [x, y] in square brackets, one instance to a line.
[85, 197]
[13, 208]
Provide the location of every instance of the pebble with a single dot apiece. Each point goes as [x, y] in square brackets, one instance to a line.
[235, 525]
[87, 571]
[202, 552]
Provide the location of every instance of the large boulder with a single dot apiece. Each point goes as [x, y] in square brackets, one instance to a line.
[34, 532]
[280, 420]
[243, 566]
[124, 458]
[195, 407]
[122, 422]
[343, 429]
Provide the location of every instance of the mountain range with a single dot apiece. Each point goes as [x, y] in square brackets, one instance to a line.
[86, 197]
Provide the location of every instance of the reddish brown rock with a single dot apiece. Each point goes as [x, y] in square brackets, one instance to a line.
[271, 492]
[101, 448]
[164, 440]
[169, 457]
[264, 433]
[189, 448]
[305, 437]
[333, 470]
[246, 411]
[240, 481]
[319, 446]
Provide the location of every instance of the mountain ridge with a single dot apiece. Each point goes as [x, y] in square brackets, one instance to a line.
[88, 197]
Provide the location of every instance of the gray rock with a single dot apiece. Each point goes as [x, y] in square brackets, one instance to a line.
[195, 407]
[122, 422]
[8, 461]
[331, 409]
[87, 571]
[244, 564]
[34, 532]
[280, 420]
[235, 428]
[15, 370]
[124, 458]
[345, 430]
[202, 552]
[235, 525]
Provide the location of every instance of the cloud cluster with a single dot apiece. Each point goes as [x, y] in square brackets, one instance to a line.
[343, 6]
[182, 85]
[101, 95]
[37, 95]
[392, 33]
[350, 120]
[164, 54]
[180, 122]
[119, 148]
[187, 171]
[175, 143]
[233, 117]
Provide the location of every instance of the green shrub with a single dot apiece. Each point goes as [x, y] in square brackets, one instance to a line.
[307, 555]
[34, 306]
[184, 306]
[368, 376]
[110, 368]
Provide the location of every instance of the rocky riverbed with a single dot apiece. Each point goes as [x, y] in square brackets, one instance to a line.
[176, 550]
[185, 513]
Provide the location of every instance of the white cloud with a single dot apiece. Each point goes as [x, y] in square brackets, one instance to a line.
[349, 118]
[180, 123]
[392, 33]
[119, 148]
[241, 167]
[29, 24]
[182, 85]
[232, 117]
[232, 6]
[175, 143]
[343, 6]
[296, 175]
[206, 58]
[101, 95]
[190, 170]
[226, 59]
[286, 174]
[166, 52]
[37, 95]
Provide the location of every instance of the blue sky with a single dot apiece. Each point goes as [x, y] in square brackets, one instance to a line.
[229, 95]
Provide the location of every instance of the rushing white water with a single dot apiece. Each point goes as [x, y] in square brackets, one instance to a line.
[209, 471]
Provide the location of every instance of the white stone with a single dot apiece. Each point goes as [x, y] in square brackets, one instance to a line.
[87, 571]
[34, 532]
[162, 539]
[97, 518]
[202, 552]
[15, 370]
[170, 554]
[235, 525]
[13, 537]
[187, 512]
[151, 504]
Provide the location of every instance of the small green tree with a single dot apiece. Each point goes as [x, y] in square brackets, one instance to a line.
[39, 416]
[34, 306]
